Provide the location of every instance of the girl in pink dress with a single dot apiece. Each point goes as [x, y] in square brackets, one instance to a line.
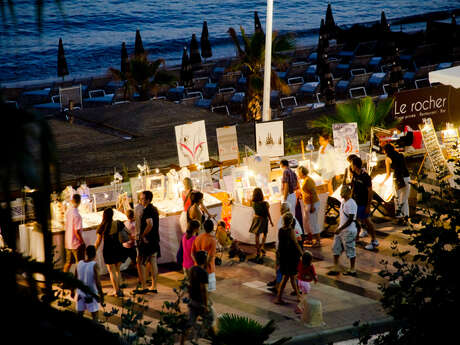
[187, 241]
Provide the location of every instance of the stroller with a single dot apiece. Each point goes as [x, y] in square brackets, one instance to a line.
[224, 241]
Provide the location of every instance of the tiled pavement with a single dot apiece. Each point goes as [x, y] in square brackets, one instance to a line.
[344, 299]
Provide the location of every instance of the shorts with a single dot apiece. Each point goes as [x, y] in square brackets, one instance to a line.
[74, 255]
[196, 310]
[212, 281]
[83, 305]
[131, 253]
[304, 286]
[345, 241]
[362, 213]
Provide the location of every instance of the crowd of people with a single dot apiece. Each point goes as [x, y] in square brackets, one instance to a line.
[138, 238]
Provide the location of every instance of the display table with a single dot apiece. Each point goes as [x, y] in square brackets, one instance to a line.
[30, 241]
[242, 218]
[170, 229]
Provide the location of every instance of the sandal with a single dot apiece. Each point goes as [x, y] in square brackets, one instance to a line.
[350, 273]
[333, 273]
[298, 310]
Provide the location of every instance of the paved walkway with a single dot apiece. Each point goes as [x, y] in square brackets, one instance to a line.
[241, 288]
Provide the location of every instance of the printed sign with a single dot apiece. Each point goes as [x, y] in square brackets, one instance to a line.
[192, 145]
[270, 138]
[411, 107]
[227, 142]
[345, 138]
[433, 149]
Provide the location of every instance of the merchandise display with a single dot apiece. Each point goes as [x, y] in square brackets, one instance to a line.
[245, 179]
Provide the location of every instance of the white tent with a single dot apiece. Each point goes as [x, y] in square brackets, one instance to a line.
[448, 76]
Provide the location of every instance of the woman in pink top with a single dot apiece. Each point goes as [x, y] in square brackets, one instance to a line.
[187, 243]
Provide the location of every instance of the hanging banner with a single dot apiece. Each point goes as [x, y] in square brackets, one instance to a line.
[227, 143]
[192, 145]
[270, 138]
[412, 106]
[345, 137]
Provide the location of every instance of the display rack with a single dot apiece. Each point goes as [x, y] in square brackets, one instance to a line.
[433, 149]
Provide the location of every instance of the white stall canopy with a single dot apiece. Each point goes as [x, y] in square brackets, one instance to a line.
[448, 76]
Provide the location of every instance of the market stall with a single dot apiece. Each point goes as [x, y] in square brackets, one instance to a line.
[257, 173]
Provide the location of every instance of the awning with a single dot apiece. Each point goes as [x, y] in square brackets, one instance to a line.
[448, 76]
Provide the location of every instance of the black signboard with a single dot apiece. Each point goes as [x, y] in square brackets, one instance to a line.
[412, 106]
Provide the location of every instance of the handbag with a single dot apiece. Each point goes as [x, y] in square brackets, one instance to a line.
[123, 235]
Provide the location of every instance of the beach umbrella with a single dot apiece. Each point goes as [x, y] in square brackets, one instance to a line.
[124, 59]
[195, 58]
[206, 51]
[384, 26]
[62, 69]
[330, 22]
[138, 46]
[257, 24]
[323, 41]
[186, 74]
[396, 75]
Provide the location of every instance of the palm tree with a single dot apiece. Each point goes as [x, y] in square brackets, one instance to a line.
[363, 111]
[251, 63]
[235, 329]
[143, 76]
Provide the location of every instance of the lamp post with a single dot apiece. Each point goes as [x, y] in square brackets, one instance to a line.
[266, 114]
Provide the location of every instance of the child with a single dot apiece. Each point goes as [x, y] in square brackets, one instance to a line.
[259, 225]
[306, 274]
[226, 241]
[88, 273]
[130, 246]
[187, 243]
[346, 233]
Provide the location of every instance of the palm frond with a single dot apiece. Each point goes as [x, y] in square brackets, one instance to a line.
[363, 111]
[232, 329]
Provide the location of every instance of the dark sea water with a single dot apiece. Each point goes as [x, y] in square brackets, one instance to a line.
[93, 30]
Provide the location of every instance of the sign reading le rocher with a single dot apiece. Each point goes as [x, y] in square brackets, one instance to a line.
[411, 107]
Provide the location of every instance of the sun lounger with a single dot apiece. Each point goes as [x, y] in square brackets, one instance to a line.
[309, 91]
[99, 97]
[357, 92]
[376, 80]
[374, 63]
[217, 73]
[444, 65]
[310, 74]
[421, 73]
[191, 97]
[210, 89]
[175, 94]
[297, 69]
[341, 70]
[54, 105]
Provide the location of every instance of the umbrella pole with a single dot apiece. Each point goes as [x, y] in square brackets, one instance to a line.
[266, 115]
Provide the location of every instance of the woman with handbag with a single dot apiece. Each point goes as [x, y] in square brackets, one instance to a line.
[395, 161]
[259, 225]
[113, 251]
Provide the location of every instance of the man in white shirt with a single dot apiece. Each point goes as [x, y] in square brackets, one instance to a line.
[73, 237]
[346, 233]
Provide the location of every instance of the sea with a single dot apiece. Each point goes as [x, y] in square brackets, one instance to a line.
[93, 30]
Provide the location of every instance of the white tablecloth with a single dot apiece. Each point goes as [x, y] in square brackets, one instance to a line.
[242, 218]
